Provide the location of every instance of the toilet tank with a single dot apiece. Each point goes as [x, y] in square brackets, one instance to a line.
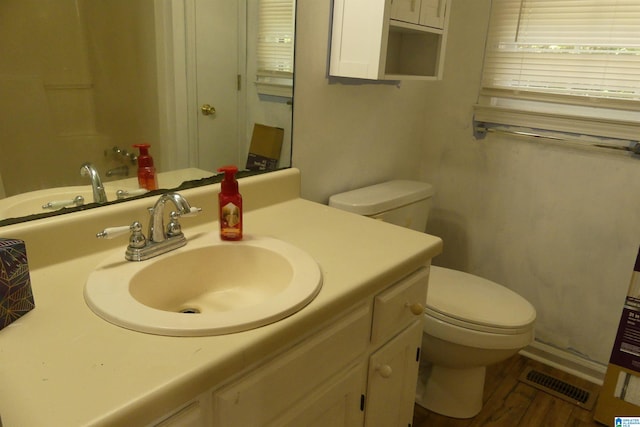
[401, 202]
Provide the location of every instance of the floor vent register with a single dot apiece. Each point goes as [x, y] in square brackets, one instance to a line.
[559, 388]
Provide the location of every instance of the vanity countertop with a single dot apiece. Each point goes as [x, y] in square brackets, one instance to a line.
[62, 365]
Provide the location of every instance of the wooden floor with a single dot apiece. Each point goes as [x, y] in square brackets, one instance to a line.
[509, 402]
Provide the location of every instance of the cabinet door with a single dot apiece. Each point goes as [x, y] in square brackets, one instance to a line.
[358, 38]
[393, 374]
[405, 10]
[269, 391]
[191, 415]
[433, 12]
[336, 404]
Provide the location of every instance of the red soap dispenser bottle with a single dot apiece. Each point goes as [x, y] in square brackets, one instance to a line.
[230, 205]
[146, 171]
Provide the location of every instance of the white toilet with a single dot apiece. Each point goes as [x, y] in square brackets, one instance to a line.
[470, 322]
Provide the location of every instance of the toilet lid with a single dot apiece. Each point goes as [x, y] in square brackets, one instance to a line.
[476, 303]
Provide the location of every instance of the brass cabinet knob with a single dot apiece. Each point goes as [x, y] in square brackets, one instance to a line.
[385, 371]
[415, 308]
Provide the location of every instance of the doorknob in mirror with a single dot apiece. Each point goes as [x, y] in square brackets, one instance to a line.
[207, 110]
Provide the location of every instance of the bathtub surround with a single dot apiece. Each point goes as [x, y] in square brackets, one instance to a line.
[555, 224]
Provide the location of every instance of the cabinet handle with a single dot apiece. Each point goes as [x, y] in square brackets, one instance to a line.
[385, 371]
[415, 308]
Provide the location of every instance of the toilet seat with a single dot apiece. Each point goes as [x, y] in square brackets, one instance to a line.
[478, 304]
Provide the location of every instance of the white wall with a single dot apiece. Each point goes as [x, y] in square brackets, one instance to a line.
[349, 135]
[558, 225]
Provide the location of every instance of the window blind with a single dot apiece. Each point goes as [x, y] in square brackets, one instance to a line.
[564, 65]
[275, 48]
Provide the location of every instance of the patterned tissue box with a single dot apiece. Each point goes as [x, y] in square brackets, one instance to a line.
[16, 297]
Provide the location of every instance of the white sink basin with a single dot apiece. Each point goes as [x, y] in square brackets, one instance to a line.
[31, 202]
[208, 287]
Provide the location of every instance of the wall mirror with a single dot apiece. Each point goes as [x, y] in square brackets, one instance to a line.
[83, 80]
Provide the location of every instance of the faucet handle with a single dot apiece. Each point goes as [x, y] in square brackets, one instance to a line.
[57, 204]
[192, 212]
[112, 232]
[123, 194]
[174, 228]
[136, 240]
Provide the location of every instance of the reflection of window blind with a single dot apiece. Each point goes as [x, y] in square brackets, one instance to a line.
[563, 57]
[276, 26]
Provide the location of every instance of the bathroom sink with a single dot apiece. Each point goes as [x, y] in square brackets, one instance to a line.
[31, 202]
[208, 287]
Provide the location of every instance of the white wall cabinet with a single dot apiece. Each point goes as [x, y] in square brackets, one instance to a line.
[389, 39]
[430, 13]
[360, 369]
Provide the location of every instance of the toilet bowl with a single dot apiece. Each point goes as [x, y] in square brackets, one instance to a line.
[469, 322]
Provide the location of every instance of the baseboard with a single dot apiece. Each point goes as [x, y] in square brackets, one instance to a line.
[566, 361]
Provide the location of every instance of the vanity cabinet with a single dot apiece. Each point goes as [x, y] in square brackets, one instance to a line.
[290, 381]
[389, 39]
[359, 369]
[191, 415]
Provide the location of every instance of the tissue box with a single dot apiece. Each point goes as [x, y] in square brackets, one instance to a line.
[16, 297]
[264, 152]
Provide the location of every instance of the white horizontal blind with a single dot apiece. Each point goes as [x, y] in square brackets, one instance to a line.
[568, 66]
[574, 47]
[276, 26]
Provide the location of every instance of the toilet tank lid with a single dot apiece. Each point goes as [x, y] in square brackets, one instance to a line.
[382, 197]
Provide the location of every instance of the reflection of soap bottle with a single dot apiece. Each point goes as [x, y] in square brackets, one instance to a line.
[230, 205]
[146, 171]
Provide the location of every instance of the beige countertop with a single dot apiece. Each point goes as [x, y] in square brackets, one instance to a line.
[62, 365]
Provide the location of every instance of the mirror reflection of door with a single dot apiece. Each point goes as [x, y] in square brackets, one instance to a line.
[218, 60]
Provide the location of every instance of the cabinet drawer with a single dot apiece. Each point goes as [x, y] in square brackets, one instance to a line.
[398, 306]
[269, 390]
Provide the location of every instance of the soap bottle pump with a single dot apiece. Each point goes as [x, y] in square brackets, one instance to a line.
[230, 205]
[146, 171]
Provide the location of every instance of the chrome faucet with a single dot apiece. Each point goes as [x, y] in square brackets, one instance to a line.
[157, 231]
[161, 238]
[99, 195]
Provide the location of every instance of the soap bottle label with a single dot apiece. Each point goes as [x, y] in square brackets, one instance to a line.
[230, 220]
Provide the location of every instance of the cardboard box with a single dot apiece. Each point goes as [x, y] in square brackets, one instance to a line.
[619, 401]
[264, 151]
[16, 297]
